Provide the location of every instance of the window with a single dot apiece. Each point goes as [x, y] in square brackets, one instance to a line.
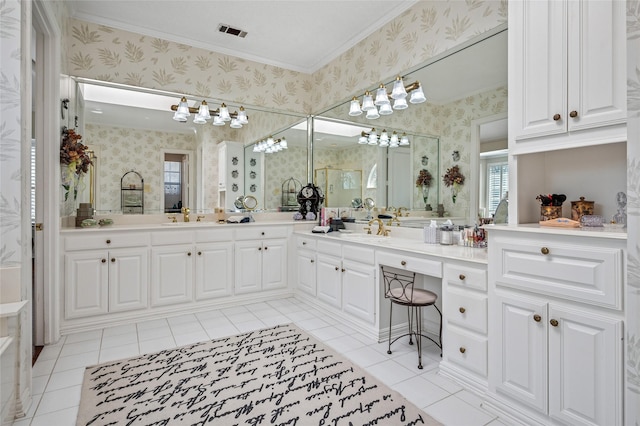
[497, 184]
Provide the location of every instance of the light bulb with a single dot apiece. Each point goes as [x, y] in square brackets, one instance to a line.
[367, 102]
[354, 109]
[398, 91]
[381, 96]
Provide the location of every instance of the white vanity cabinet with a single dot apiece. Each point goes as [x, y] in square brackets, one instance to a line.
[261, 259]
[556, 324]
[346, 279]
[104, 274]
[306, 264]
[465, 327]
[567, 75]
[190, 265]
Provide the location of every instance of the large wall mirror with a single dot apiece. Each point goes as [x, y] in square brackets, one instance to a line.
[129, 128]
[466, 89]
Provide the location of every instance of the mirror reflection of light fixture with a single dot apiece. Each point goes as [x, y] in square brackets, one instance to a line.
[203, 114]
[382, 104]
[383, 140]
[270, 145]
[455, 155]
[425, 160]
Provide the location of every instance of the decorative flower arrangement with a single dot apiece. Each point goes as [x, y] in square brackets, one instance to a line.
[424, 182]
[74, 155]
[454, 179]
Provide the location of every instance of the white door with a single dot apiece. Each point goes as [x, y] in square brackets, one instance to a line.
[128, 279]
[597, 60]
[329, 279]
[274, 264]
[171, 274]
[399, 173]
[86, 284]
[214, 270]
[248, 266]
[585, 368]
[306, 268]
[359, 290]
[521, 350]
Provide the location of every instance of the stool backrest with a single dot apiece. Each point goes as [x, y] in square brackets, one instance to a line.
[398, 285]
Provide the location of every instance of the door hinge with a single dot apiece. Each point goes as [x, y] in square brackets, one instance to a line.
[39, 227]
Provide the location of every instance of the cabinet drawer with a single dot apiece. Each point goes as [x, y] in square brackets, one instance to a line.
[587, 273]
[92, 242]
[170, 237]
[468, 310]
[214, 235]
[466, 276]
[260, 233]
[305, 243]
[329, 247]
[410, 263]
[466, 350]
[359, 254]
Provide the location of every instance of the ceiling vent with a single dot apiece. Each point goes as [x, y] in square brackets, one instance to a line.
[230, 30]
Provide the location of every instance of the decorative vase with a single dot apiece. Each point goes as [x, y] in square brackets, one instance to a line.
[425, 197]
[428, 207]
[440, 210]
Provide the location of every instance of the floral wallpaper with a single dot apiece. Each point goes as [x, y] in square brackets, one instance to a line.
[632, 323]
[290, 163]
[120, 150]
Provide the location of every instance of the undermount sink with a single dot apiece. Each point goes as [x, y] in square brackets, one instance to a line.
[195, 223]
[363, 237]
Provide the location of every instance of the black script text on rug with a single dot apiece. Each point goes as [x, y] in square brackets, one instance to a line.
[277, 376]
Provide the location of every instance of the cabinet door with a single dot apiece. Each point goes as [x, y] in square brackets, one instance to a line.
[171, 274]
[214, 271]
[359, 290]
[329, 279]
[521, 350]
[128, 279]
[306, 270]
[585, 368]
[248, 266]
[597, 61]
[537, 68]
[86, 284]
[274, 264]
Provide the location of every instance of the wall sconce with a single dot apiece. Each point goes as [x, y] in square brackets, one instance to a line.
[202, 114]
[383, 139]
[64, 105]
[382, 103]
[425, 160]
[270, 145]
[455, 155]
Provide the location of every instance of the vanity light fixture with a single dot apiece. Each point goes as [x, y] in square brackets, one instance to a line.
[383, 140]
[270, 145]
[382, 104]
[219, 117]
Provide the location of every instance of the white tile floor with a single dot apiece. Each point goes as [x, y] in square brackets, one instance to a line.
[57, 374]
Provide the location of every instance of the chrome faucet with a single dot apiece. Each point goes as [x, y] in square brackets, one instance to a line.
[185, 214]
[381, 230]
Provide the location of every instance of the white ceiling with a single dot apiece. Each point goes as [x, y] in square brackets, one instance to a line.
[300, 35]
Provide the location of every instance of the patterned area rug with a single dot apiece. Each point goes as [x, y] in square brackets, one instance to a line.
[275, 376]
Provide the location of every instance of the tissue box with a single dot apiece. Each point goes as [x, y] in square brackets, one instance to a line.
[431, 235]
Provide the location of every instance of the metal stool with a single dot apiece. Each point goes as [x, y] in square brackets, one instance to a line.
[399, 289]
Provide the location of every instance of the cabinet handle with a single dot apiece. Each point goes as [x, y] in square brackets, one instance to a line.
[462, 310]
[304, 243]
[259, 248]
[462, 349]
[343, 269]
[262, 233]
[403, 263]
[108, 241]
[312, 261]
[554, 322]
[113, 260]
[104, 260]
[573, 114]
[556, 117]
[189, 253]
[337, 269]
[544, 250]
[266, 248]
[199, 253]
[462, 277]
[537, 318]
